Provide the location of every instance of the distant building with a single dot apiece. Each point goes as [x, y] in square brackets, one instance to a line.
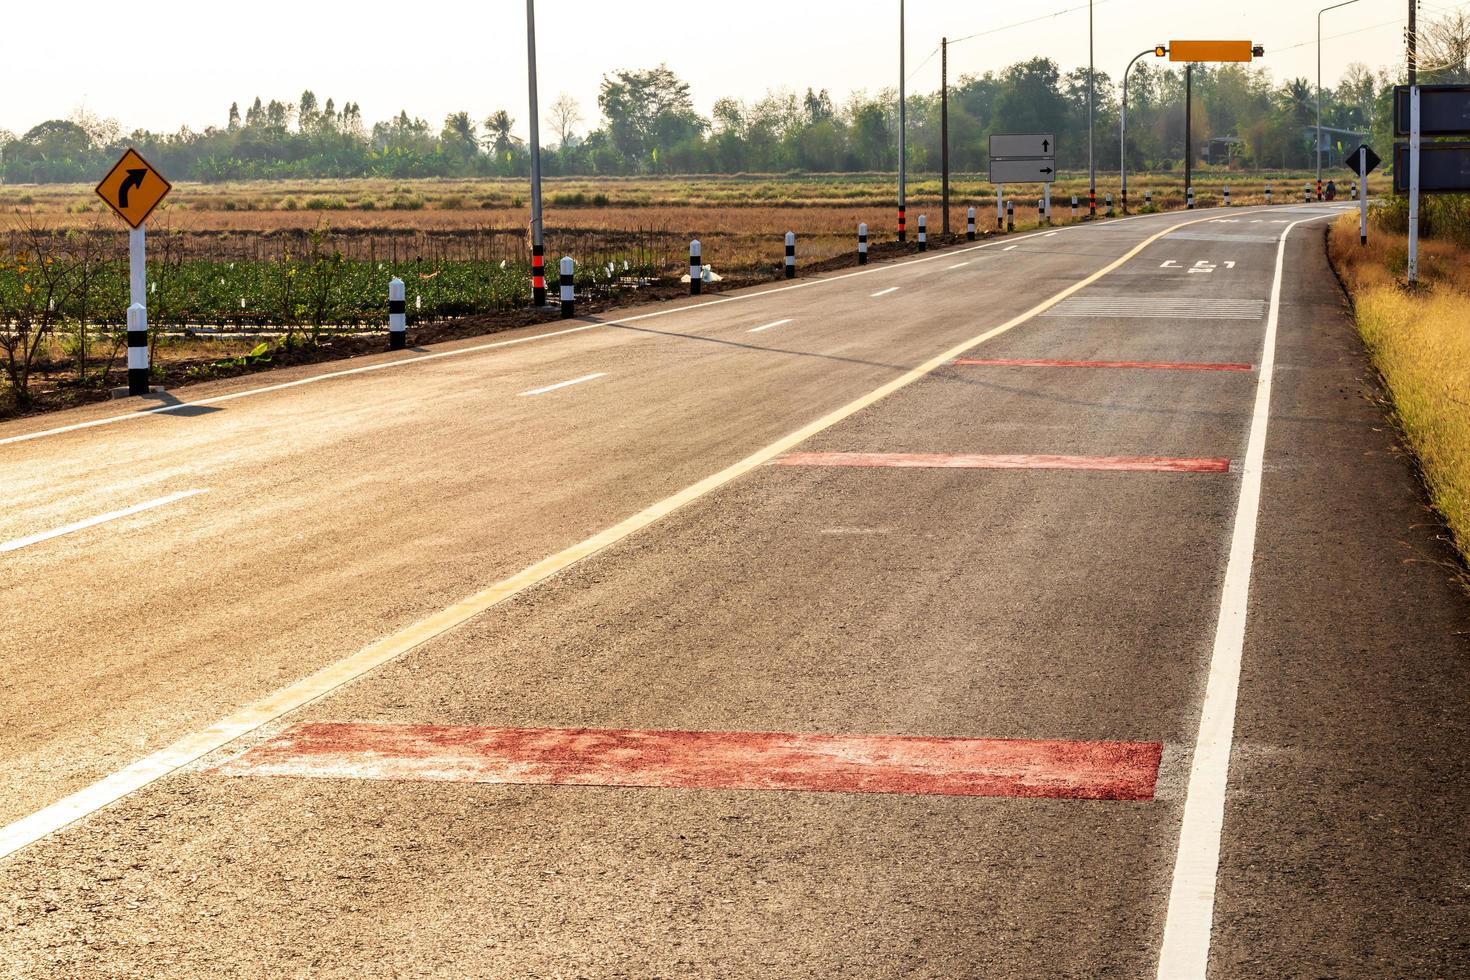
[1336, 143]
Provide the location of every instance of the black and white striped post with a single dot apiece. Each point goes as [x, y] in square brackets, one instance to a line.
[1319, 188]
[791, 255]
[397, 315]
[1148, 198]
[1074, 207]
[923, 233]
[538, 274]
[1306, 193]
[1108, 197]
[137, 349]
[863, 243]
[1000, 193]
[1189, 197]
[1268, 192]
[970, 225]
[696, 267]
[1227, 195]
[1040, 212]
[1010, 215]
[568, 290]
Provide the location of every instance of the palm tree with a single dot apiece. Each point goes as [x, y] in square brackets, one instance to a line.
[459, 134]
[497, 132]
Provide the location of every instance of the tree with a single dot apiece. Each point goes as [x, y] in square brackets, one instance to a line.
[459, 136]
[234, 116]
[497, 133]
[564, 114]
[306, 111]
[1444, 51]
[647, 109]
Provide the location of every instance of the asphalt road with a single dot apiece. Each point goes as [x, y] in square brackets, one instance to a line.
[795, 510]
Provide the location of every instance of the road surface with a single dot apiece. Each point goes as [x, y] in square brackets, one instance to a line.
[1052, 606]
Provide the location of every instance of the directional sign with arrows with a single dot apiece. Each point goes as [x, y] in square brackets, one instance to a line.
[1006, 145]
[133, 188]
[1023, 158]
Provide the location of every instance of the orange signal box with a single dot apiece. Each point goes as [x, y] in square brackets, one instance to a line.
[133, 188]
[1210, 51]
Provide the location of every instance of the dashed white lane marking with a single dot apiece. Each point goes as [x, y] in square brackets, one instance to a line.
[1047, 234]
[1185, 953]
[767, 326]
[958, 264]
[884, 292]
[564, 384]
[1008, 248]
[112, 515]
[191, 748]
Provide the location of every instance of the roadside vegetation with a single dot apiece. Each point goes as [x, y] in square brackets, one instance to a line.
[1419, 338]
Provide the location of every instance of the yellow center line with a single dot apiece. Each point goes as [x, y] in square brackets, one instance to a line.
[191, 748]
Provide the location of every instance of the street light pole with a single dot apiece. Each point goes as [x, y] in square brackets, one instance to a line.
[538, 252]
[1159, 51]
[1319, 87]
[902, 129]
[1091, 167]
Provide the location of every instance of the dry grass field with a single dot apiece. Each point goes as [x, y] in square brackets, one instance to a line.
[1420, 344]
[739, 219]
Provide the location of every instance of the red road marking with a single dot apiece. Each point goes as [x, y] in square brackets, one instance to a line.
[1028, 461]
[1147, 365]
[710, 760]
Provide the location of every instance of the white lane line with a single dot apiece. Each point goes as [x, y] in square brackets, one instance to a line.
[1185, 952]
[477, 348]
[958, 264]
[883, 292]
[112, 515]
[1008, 248]
[565, 384]
[767, 326]
[189, 749]
[1047, 234]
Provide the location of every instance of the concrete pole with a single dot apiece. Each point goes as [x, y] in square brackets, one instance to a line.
[538, 251]
[944, 129]
[1091, 166]
[902, 130]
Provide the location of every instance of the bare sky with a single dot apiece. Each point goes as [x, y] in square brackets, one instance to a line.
[192, 58]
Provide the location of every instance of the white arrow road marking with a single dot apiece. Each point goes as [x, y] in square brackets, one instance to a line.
[767, 326]
[1169, 264]
[564, 384]
[99, 519]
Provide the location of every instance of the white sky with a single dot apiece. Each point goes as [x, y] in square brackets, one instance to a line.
[436, 56]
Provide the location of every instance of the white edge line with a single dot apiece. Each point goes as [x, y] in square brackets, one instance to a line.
[1184, 953]
[403, 361]
[564, 384]
[1008, 248]
[768, 326]
[958, 264]
[113, 515]
[195, 746]
[883, 292]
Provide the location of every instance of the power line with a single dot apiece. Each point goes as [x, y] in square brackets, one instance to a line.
[1023, 23]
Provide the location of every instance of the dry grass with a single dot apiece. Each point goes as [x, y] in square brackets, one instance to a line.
[1420, 343]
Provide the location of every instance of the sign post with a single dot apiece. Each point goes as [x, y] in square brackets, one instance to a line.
[1363, 195]
[132, 188]
[1022, 158]
[1362, 162]
[1413, 269]
[1434, 167]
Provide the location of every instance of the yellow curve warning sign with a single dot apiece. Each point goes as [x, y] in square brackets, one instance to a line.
[133, 188]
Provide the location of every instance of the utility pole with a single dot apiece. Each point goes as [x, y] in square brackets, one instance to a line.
[538, 250]
[944, 128]
[1091, 167]
[1188, 138]
[902, 129]
[1413, 39]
